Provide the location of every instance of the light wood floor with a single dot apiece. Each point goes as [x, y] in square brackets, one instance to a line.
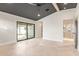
[39, 47]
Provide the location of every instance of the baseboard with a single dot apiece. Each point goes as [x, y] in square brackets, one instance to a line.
[61, 41]
[6, 43]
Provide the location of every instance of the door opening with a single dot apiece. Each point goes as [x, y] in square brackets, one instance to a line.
[70, 30]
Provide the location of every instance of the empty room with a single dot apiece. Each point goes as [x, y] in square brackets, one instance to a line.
[39, 29]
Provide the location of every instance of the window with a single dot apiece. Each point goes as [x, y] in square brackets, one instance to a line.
[30, 30]
[25, 31]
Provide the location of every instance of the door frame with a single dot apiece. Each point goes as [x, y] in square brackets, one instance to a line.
[76, 33]
[63, 25]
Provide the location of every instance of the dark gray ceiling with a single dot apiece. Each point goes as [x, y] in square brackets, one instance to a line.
[63, 6]
[31, 11]
[27, 10]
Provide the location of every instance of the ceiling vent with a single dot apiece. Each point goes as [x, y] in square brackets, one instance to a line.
[38, 4]
[46, 9]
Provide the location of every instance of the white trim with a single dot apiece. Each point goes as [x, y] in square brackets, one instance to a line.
[61, 41]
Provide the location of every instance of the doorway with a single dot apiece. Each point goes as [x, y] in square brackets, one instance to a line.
[25, 31]
[70, 29]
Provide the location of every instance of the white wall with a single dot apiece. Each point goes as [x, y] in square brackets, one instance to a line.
[8, 27]
[53, 24]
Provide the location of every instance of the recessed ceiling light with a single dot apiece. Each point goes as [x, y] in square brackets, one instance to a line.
[65, 3]
[47, 9]
[64, 7]
[38, 15]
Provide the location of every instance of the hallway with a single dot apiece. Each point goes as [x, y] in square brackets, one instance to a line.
[39, 47]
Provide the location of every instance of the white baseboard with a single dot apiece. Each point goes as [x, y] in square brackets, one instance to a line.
[6, 43]
[61, 41]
